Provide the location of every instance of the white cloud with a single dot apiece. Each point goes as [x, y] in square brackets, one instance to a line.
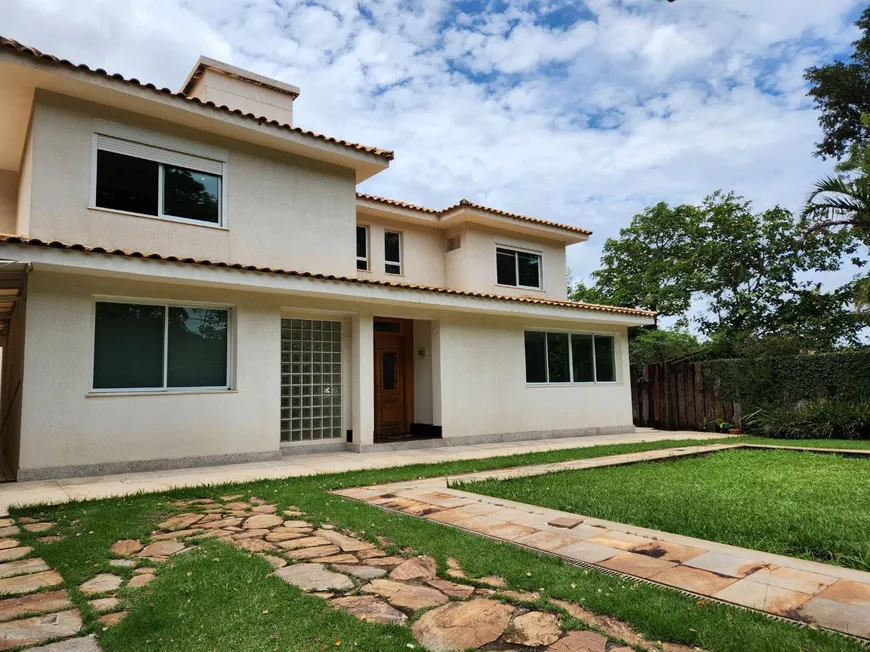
[637, 101]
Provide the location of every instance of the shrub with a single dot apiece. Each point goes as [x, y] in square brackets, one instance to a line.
[813, 420]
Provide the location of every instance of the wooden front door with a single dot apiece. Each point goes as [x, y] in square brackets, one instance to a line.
[393, 377]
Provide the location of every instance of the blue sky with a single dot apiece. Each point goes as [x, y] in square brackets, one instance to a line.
[580, 112]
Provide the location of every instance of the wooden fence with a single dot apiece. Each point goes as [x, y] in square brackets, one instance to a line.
[678, 396]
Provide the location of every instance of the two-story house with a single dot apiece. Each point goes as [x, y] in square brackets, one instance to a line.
[190, 279]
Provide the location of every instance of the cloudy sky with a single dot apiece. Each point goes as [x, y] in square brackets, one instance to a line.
[582, 112]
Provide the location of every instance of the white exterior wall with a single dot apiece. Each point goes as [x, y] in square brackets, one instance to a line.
[422, 253]
[483, 382]
[245, 96]
[282, 211]
[8, 201]
[62, 424]
[473, 266]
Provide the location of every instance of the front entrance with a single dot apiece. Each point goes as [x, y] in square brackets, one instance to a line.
[394, 379]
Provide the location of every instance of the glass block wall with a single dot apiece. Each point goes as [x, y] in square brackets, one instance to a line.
[310, 380]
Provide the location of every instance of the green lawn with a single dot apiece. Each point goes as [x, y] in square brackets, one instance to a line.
[815, 506]
[219, 597]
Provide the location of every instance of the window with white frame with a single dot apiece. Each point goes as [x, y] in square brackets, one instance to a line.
[310, 380]
[553, 358]
[145, 177]
[518, 268]
[362, 247]
[156, 346]
[392, 252]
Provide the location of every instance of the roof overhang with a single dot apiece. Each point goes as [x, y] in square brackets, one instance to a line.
[51, 258]
[21, 74]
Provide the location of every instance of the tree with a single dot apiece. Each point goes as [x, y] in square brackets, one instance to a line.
[649, 265]
[589, 294]
[841, 91]
[658, 346]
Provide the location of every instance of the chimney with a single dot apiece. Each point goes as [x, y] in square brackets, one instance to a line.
[223, 84]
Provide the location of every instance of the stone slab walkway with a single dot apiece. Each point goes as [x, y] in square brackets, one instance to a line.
[824, 595]
[294, 465]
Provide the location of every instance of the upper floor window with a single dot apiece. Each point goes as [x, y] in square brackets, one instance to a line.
[143, 177]
[392, 252]
[517, 268]
[362, 248]
[570, 357]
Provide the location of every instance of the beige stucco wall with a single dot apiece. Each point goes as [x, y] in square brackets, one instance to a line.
[8, 201]
[62, 425]
[483, 383]
[473, 266]
[245, 96]
[282, 211]
[25, 187]
[422, 253]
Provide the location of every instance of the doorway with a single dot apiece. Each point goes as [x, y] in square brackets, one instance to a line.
[394, 379]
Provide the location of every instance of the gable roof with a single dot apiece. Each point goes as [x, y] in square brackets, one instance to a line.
[23, 50]
[35, 242]
[464, 204]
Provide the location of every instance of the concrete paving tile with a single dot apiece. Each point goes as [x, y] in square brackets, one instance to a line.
[478, 523]
[723, 564]
[836, 615]
[616, 539]
[637, 565]
[848, 592]
[545, 540]
[509, 531]
[693, 579]
[450, 515]
[508, 514]
[669, 551]
[592, 553]
[763, 597]
[792, 579]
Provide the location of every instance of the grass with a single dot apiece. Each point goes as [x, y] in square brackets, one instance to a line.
[808, 505]
[198, 604]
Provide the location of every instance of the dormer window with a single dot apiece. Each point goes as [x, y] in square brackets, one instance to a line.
[518, 268]
[144, 173]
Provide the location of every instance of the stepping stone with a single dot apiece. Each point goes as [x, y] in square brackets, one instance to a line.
[275, 562]
[362, 572]
[38, 527]
[178, 534]
[418, 568]
[52, 601]
[452, 589]
[285, 534]
[254, 545]
[566, 522]
[371, 554]
[100, 584]
[306, 542]
[22, 566]
[28, 583]
[8, 543]
[6, 522]
[122, 563]
[9, 530]
[251, 534]
[534, 629]
[15, 553]
[522, 596]
[208, 518]
[126, 547]
[84, 644]
[51, 539]
[238, 505]
[312, 553]
[161, 549]
[314, 577]
[144, 570]
[140, 580]
[346, 543]
[581, 642]
[231, 498]
[30, 631]
[222, 523]
[180, 522]
[371, 610]
[101, 605]
[27, 519]
[610, 626]
[338, 559]
[264, 509]
[262, 521]
[386, 562]
[406, 596]
[462, 625]
[493, 580]
[297, 524]
[112, 619]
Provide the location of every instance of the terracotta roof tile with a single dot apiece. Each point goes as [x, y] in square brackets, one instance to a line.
[35, 242]
[17, 47]
[478, 207]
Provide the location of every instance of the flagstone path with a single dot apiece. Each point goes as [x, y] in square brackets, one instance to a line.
[821, 594]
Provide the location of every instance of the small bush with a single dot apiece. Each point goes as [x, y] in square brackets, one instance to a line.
[814, 420]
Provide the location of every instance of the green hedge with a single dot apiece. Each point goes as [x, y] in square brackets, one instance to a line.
[786, 380]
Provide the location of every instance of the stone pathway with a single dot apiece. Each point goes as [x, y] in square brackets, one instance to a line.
[828, 596]
[366, 581]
